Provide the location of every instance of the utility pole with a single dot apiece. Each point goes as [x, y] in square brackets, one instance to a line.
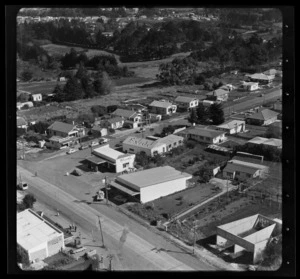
[194, 237]
[227, 189]
[106, 188]
[103, 246]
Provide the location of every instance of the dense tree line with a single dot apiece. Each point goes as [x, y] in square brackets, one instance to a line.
[203, 115]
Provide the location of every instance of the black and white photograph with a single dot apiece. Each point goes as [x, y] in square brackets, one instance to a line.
[150, 139]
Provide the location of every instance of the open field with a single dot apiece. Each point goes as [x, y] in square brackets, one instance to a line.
[55, 49]
[45, 87]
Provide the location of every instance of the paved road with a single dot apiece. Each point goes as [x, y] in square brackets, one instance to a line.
[137, 253]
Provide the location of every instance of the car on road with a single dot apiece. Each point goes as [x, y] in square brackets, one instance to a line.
[93, 143]
[22, 186]
[82, 147]
[118, 144]
[71, 150]
[103, 140]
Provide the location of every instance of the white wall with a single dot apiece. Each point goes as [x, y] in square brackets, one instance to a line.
[119, 163]
[162, 189]
[148, 151]
[38, 252]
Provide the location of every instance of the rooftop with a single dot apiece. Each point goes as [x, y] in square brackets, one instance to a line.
[271, 141]
[231, 124]
[33, 230]
[170, 139]
[21, 121]
[160, 104]
[218, 92]
[124, 113]
[263, 114]
[204, 132]
[242, 166]
[152, 176]
[115, 120]
[108, 153]
[261, 76]
[61, 127]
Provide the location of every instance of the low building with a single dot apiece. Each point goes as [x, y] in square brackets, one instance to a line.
[131, 118]
[261, 78]
[151, 184]
[276, 143]
[106, 157]
[162, 107]
[36, 97]
[232, 127]
[276, 128]
[186, 103]
[113, 123]
[203, 135]
[151, 146]
[249, 86]
[99, 131]
[154, 117]
[21, 105]
[57, 142]
[277, 106]
[37, 237]
[62, 129]
[251, 234]
[271, 72]
[262, 117]
[218, 95]
[21, 123]
[244, 170]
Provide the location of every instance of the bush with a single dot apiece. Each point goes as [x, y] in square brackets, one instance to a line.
[29, 200]
[190, 144]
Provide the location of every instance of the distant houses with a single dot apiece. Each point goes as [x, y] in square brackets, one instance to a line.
[249, 86]
[232, 126]
[261, 78]
[25, 104]
[131, 118]
[21, 123]
[276, 143]
[186, 103]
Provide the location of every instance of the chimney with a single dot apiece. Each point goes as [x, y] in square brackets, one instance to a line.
[73, 122]
[194, 124]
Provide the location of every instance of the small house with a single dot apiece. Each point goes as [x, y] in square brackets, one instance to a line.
[204, 135]
[186, 103]
[261, 78]
[99, 131]
[36, 97]
[218, 95]
[21, 122]
[232, 127]
[262, 117]
[162, 107]
[113, 123]
[63, 129]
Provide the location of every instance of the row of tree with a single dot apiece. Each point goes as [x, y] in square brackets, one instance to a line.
[204, 115]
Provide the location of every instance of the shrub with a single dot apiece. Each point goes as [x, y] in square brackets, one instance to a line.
[190, 144]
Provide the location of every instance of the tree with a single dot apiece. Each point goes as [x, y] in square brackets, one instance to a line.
[73, 90]
[23, 97]
[216, 114]
[193, 116]
[103, 84]
[202, 113]
[40, 127]
[26, 75]
[60, 95]
[29, 200]
[142, 159]
[81, 72]
[168, 130]
[204, 173]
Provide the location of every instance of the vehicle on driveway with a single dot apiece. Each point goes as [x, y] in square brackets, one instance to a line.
[85, 146]
[94, 143]
[103, 140]
[71, 150]
[22, 186]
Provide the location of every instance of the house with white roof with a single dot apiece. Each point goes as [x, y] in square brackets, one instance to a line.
[233, 126]
[261, 78]
[148, 185]
[151, 145]
[249, 86]
[131, 117]
[186, 103]
[36, 237]
[276, 143]
[162, 107]
[106, 157]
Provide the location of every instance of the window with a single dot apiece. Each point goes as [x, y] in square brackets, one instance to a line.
[130, 149]
[175, 143]
[201, 137]
[237, 173]
[248, 175]
[208, 139]
[170, 145]
[125, 165]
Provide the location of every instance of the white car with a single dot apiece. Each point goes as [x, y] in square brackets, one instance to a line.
[71, 151]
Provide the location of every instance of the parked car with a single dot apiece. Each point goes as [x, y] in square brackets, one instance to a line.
[23, 186]
[94, 143]
[71, 150]
[120, 198]
[83, 147]
[103, 140]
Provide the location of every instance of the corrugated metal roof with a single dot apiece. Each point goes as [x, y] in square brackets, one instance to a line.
[115, 120]
[152, 176]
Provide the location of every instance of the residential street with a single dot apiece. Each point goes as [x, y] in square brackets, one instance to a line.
[137, 252]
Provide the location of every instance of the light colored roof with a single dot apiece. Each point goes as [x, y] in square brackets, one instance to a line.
[170, 139]
[96, 160]
[277, 123]
[160, 104]
[231, 124]
[152, 176]
[33, 230]
[270, 72]
[218, 92]
[242, 166]
[21, 121]
[263, 114]
[261, 76]
[108, 153]
[183, 99]
[141, 142]
[124, 113]
[204, 132]
[266, 141]
[61, 127]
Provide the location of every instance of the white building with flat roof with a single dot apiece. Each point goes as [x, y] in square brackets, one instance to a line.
[110, 158]
[152, 183]
[37, 237]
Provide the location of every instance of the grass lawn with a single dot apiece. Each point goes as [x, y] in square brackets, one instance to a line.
[39, 87]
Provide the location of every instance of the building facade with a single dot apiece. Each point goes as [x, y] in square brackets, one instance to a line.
[233, 127]
[205, 135]
[162, 107]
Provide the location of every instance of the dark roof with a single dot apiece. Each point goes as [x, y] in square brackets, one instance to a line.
[61, 127]
[205, 132]
[184, 99]
[123, 113]
[115, 120]
[21, 121]
[263, 114]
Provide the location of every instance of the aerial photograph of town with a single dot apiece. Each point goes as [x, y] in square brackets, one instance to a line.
[149, 139]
